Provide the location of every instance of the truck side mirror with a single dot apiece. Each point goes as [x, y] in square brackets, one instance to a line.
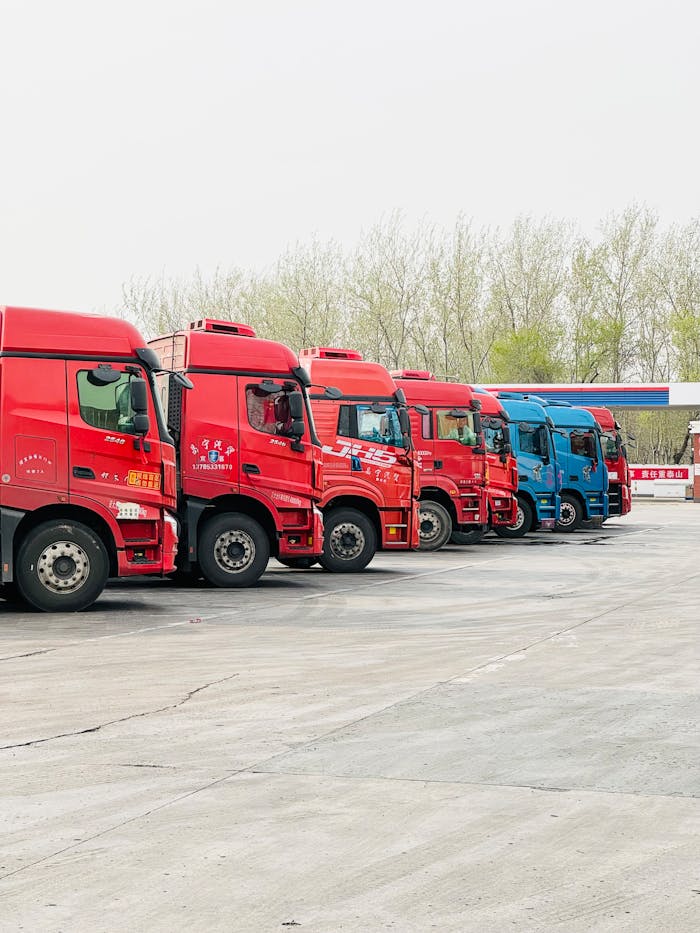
[421, 409]
[458, 413]
[142, 424]
[297, 428]
[332, 392]
[404, 421]
[139, 396]
[296, 406]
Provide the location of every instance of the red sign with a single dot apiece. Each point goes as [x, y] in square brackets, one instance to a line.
[679, 473]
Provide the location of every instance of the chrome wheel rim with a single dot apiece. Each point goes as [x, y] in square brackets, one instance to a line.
[430, 526]
[567, 515]
[63, 567]
[234, 551]
[347, 541]
[519, 520]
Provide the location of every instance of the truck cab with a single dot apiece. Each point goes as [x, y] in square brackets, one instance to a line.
[615, 453]
[584, 494]
[370, 475]
[249, 460]
[87, 465]
[447, 437]
[503, 469]
[539, 477]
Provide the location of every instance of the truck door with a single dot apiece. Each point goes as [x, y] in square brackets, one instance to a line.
[269, 464]
[33, 431]
[107, 461]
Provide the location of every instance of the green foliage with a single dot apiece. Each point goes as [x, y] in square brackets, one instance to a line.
[534, 303]
[526, 355]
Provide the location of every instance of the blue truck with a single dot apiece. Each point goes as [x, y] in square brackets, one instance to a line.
[538, 471]
[584, 485]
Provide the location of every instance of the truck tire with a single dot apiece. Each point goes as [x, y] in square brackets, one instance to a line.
[298, 563]
[349, 541]
[61, 567]
[571, 514]
[435, 524]
[233, 550]
[521, 525]
[467, 537]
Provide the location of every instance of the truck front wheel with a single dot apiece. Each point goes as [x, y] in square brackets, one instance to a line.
[521, 525]
[435, 525]
[61, 567]
[571, 514]
[233, 550]
[349, 541]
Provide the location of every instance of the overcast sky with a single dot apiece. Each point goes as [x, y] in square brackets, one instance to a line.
[145, 137]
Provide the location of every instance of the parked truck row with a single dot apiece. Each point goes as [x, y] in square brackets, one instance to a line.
[206, 452]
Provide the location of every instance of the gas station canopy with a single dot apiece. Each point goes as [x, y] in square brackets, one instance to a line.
[648, 395]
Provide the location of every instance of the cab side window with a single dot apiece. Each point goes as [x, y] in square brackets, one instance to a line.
[583, 445]
[380, 428]
[344, 425]
[268, 411]
[450, 428]
[107, 407]
[533, 442]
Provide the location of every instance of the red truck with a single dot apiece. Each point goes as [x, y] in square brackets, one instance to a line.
[448, 440]
[370, 475]
[615, 454]
[503, 467]
[249, 461]
[87, 467]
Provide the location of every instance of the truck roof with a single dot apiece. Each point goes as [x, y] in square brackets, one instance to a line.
[603, 416]
[345, 369]
[425, 391]
[566, 416]
[519, 409]
[490, 405]
[34, 330]
[223, 345]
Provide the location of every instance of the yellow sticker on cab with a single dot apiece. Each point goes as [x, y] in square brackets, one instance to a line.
[143, 479]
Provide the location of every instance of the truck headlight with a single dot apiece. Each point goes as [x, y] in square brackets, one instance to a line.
[171, 520]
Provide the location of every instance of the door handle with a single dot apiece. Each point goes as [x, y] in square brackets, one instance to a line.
[250, 468]
[83, 473]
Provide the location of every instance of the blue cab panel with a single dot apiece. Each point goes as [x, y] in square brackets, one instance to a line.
[539, 474]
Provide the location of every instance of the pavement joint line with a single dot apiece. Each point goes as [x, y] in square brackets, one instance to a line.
[131, 819]
[87, 641]
[473, 670]
[402, 578]
[504, 784]
[113, 722]
[252, 769]
[399, 578]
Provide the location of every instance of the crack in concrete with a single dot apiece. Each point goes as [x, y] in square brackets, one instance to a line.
[258, 767]
[112, 722]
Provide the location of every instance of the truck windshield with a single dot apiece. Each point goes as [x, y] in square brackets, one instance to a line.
[611, 446]
[381, 428]
[450, 428]
[493, 433]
